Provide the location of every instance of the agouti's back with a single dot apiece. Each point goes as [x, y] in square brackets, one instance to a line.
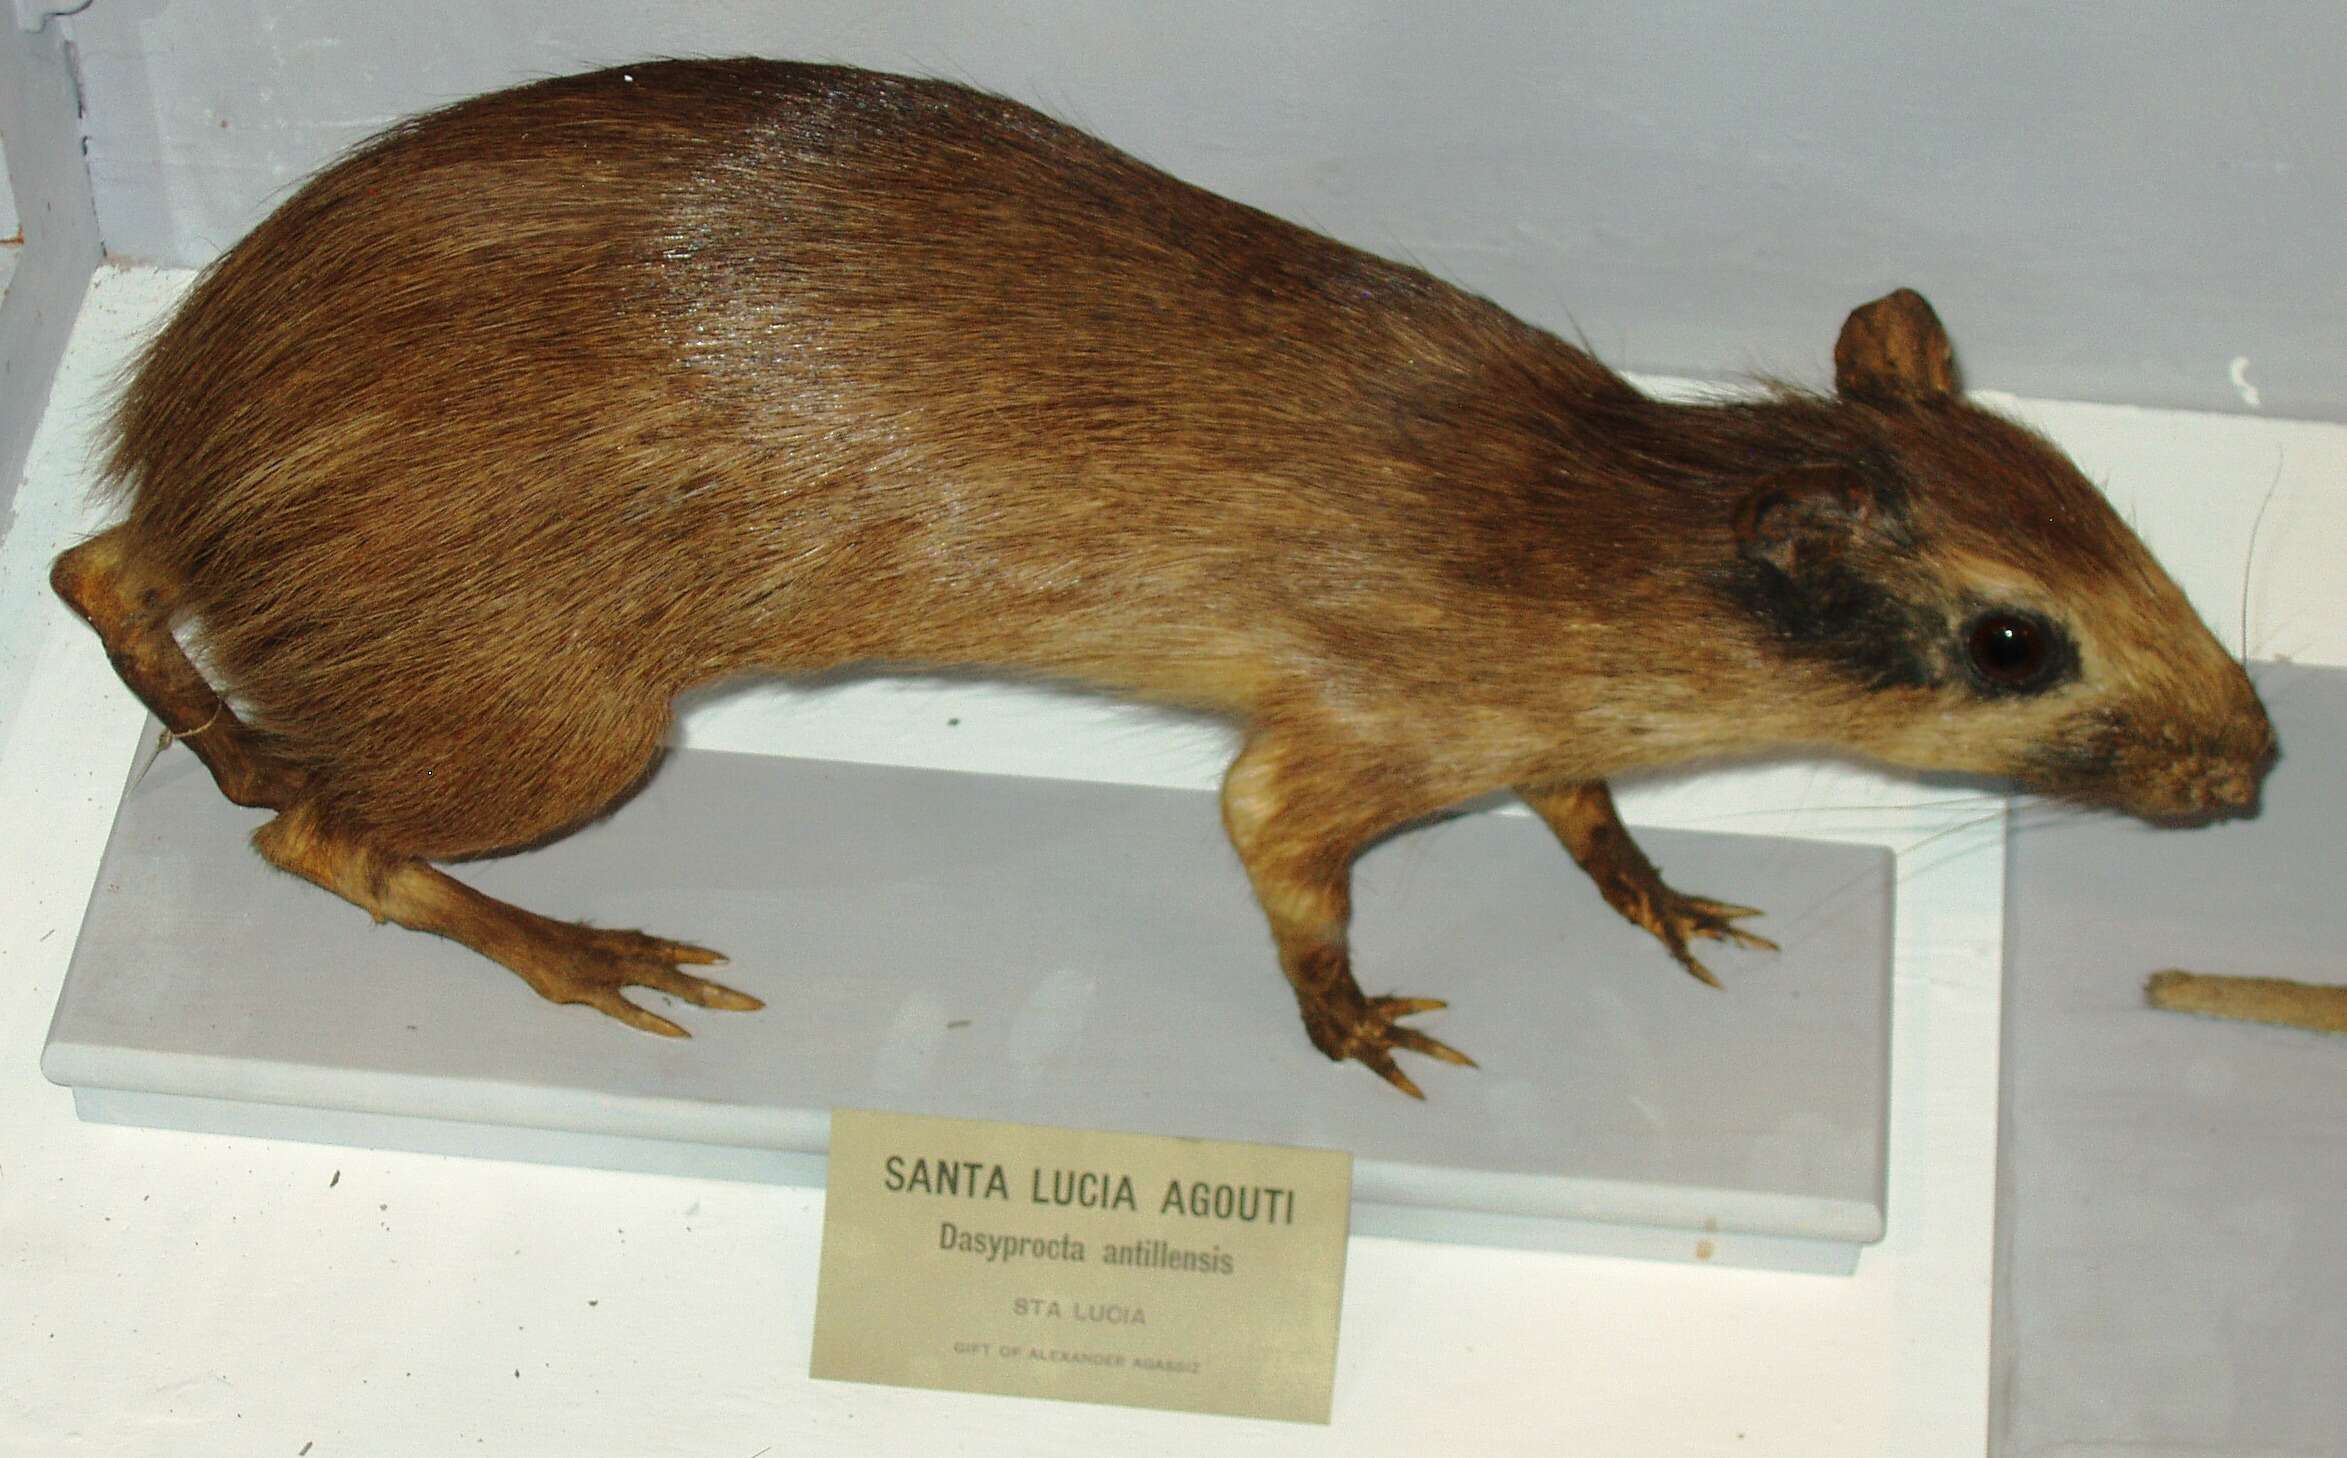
[651, 376]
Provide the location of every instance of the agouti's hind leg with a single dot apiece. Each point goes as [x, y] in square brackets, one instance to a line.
[130, 607]
[563, 961]
[1582, 815]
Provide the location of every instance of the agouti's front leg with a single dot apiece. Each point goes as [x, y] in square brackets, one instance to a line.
[1582, 815]
[1298, 816]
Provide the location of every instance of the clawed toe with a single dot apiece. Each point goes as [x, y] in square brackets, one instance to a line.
[1400, 1037]
[1716, 920]
[1382, 1064]
[1364, 1031]
[1678, 919]
[590, 966]
[607, 1000]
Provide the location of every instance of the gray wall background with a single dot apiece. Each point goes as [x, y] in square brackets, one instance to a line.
[48, 200]
[2136, 202]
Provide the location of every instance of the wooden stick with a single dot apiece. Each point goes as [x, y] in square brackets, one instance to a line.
[2322, 1009]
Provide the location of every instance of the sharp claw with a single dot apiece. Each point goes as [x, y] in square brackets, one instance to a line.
[1402, 1007]
[641, 1019]
[695, 989]
[1382, 1064]
[1373, 1037]
[1700, 972]
[1418, 1042]
[1723, 909]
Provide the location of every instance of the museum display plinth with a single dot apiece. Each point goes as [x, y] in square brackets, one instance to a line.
[1033, 950]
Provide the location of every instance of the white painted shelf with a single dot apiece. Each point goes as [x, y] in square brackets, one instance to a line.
[1039, 951]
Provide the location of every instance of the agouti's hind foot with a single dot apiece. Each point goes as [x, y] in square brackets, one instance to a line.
[1343, 1024]
[562, 960]
[130, 608]
[566, 962]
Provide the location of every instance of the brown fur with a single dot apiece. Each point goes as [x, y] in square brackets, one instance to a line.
[538, 410]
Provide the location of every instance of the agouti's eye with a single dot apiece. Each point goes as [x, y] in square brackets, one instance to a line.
[2009, 650]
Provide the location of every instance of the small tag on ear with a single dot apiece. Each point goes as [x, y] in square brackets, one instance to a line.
[1894, 351]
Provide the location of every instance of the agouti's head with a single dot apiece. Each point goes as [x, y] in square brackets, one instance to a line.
[1996, 614]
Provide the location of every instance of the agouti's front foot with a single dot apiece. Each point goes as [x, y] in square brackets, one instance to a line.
[1677, 918]
[1343, 1023]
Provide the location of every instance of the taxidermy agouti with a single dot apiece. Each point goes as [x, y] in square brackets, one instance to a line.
[537, 410]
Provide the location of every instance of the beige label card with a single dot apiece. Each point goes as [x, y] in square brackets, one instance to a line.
[1088, 1266]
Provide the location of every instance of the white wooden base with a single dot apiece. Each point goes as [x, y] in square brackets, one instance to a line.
[1034, 950]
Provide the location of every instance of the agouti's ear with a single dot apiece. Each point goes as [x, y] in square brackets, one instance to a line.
[1800, 519]
[1893, 351]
